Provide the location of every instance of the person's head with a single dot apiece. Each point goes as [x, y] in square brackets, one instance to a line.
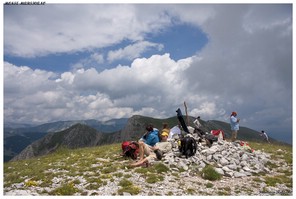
[149, 127]
[233, 114]
[198, 117]
[165, 125]
[164, 136]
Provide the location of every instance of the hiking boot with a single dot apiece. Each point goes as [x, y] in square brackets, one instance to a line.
[158, 154]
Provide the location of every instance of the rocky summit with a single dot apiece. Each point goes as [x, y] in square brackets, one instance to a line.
[230, 159]
[102, 171]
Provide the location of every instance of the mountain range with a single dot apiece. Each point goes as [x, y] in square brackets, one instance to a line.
[19, 136]
[30, 141]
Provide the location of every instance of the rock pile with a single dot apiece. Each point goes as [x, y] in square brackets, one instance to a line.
[237, 164]
[228, 158]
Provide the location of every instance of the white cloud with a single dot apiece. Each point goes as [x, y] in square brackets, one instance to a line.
[58, 28]
[84, 94]
[98, 58]
[245, 67]
[132, 51]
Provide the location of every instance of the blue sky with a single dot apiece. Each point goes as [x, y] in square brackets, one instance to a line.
[188, 40]
[105, 61]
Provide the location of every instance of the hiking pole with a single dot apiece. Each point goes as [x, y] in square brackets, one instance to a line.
[187, 119]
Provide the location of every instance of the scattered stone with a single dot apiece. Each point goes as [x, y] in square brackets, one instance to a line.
[228, 159]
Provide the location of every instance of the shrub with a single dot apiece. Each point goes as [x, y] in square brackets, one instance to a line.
[161, 168]
[125, 183]
[209, 173]
[153, 178]
[127, 186]
[209, 185]
[65, 189]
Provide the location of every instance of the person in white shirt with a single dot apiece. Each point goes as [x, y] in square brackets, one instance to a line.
[197, 123]
[264, 136]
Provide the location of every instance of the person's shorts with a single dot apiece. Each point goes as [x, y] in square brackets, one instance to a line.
[151, 156]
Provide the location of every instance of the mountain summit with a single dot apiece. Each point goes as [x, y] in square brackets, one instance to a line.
[81, 135]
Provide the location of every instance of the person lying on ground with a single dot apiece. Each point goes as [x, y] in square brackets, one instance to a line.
[153, 153]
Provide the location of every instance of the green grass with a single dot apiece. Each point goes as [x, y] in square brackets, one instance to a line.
[153, 178]
[65, 190]
[209, 185]
[282, 151]
[278, 179]
[209, 173]
[98, 166]
[128, 187]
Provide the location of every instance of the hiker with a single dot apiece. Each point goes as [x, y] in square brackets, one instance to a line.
[234, 124]
[165, 128]
[197, 123]
[197, 128]
[150, 137]
[181, 120]
[265, 137]
[153, 152]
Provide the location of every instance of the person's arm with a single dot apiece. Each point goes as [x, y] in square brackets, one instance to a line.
[234, 120]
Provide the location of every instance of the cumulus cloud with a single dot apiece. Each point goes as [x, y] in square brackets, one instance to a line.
[245, 67]
[84, 94]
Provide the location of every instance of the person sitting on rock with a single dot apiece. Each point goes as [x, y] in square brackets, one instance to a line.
[150, 137]
[153, 152]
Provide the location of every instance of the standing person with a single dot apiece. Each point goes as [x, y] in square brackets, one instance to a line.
[234, 124]
[197, 129]
[197, 123]
[265, 137]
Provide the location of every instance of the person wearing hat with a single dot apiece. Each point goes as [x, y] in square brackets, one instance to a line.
[156, 152]
[234, 125]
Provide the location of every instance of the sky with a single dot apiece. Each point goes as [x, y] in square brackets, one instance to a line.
[110, 61]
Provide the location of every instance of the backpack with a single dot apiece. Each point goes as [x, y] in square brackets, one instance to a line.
[188, 146]
[130, 149]
[218, 133]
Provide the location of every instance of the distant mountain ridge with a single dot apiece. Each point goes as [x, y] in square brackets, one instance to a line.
[82, 135]
[78, 135]
[106, 127]
[18, 136]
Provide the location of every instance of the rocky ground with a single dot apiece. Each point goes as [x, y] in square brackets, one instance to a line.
[243, 172]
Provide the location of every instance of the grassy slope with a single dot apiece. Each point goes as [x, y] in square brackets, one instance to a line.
[100, 165]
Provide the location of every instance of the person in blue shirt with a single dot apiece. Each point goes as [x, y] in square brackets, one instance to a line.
[151, 136]
[234, 125]
[149, 139]
[153, 152]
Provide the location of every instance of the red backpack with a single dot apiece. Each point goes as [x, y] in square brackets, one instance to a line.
[217, 132]
[130, 149]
